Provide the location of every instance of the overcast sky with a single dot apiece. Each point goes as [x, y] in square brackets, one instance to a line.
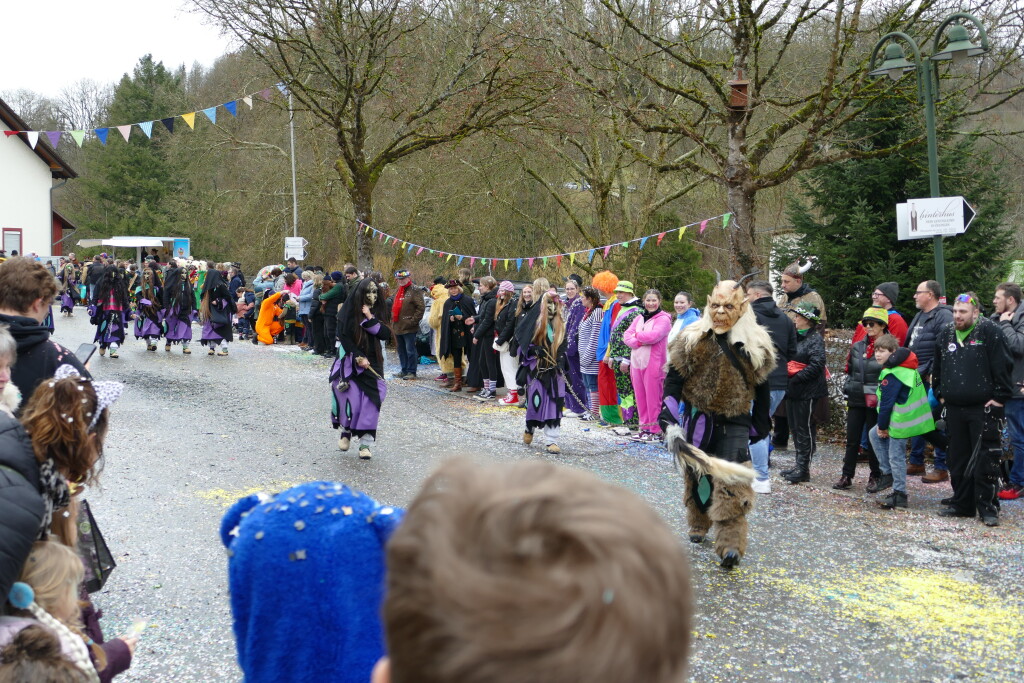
[56, 43]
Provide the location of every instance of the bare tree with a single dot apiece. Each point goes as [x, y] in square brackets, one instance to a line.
[392, 78]
[764, 89]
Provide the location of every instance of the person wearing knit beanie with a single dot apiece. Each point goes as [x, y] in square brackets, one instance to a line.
[891, 291]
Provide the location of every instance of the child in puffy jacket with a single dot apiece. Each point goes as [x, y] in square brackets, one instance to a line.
[903, 412]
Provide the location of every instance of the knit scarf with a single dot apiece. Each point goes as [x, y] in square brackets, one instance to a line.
[56, 495]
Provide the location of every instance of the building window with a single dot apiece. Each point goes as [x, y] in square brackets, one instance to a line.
[12, 241]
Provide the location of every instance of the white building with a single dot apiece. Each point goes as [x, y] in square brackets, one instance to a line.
[27, 176]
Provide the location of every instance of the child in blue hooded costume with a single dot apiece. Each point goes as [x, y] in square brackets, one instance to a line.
[306, 575]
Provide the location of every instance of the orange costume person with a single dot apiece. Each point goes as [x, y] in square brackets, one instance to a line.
[267, 324]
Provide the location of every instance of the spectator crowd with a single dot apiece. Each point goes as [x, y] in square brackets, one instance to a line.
[950, 380]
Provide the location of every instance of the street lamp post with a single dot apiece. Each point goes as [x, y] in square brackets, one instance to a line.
[896, 64]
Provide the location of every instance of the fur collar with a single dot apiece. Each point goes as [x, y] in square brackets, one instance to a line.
[10, 399]
[752, 339]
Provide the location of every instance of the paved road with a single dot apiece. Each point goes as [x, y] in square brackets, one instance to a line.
[832, 587]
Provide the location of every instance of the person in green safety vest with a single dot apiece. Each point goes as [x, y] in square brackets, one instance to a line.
[903, 412]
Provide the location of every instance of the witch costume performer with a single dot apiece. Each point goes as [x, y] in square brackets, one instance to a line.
[215, 310]
[147, 309]
[179, 308]
[719, 367]
[542, 346]
[109, 310]
[357, 376]
[69, 294]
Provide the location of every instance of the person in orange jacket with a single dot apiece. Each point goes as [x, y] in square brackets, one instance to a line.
[268, 324]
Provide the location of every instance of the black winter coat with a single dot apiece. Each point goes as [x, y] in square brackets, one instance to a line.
[505, 322]
[861, 375]
[38, 355]
[484, 329]
[21, 501]
[809, 383]
[923, 331]
[976, 372]
[454, 333]
[783, 334]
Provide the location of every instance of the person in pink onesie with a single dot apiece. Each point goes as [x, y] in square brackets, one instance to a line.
[647, 336]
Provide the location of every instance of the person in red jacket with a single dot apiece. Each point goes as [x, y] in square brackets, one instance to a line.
[885, 296]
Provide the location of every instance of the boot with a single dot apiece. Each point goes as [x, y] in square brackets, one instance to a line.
[896, 499]
[457, 384]
[802, 471]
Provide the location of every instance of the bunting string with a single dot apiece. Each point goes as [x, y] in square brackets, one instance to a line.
[103, 133]
[517, 261]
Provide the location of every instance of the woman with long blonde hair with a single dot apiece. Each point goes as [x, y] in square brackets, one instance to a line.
[542, 354]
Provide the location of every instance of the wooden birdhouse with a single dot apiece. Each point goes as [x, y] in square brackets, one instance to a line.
[738, 96]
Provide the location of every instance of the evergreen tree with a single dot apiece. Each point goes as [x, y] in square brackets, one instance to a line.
[136, 182]
[847, 218]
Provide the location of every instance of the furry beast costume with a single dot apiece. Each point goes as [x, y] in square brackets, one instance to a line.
[717, 390]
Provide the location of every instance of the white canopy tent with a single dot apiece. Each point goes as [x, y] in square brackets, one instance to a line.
[137, 242]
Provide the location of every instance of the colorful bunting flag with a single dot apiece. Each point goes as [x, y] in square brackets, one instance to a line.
[232, 107]
[703, 227]
[545, 262]
[590, 256]
[506, 264]
[572, 259]
[283, 88]
[248, 100]
[54, 137]
[682, 231]
[606, 250]
[211, 113]
[101, 133]
[472, 261]
[168, 124]
[265, 94]
[459, 260]
[725, 220]
[78, 136]
[558, 260]
[190, 119]
[419, 251]
[519, 264]
[530, 261]
[147, 128]
[9, 133]
[125, 131]
[33, 138]
[643, 241]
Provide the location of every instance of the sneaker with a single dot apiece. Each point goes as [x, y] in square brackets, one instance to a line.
[364, 452]
[587, 417]
[511, 399]
[441, 378]
[485, 395]
[343, 443]
[113, 353]
[222, 352]
[1012, 493]
[555, 450]
[569, 413]
[187, 351]
[211, 351]
[645, 437]
[762, 485]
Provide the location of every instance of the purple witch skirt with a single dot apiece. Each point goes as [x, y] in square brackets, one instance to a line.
[110, 329]
[146, 328]
[544, 406]
[67, 303]
[214, 334]
[175, 329]
[352, 409]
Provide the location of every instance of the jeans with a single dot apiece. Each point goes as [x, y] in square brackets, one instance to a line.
[407, 352]
[1014, 411]
[917, 445]
[759, 450]
[892, 458]
[590, 381]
